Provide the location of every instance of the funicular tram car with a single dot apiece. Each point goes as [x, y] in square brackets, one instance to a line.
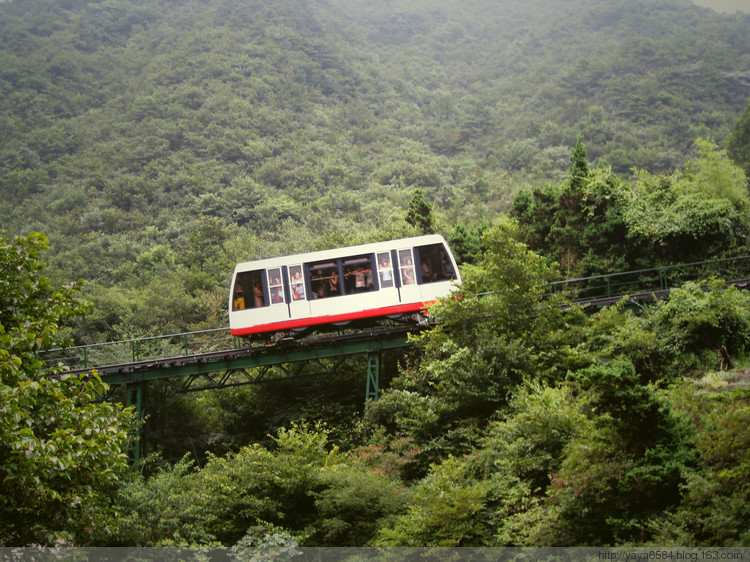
[395, 279]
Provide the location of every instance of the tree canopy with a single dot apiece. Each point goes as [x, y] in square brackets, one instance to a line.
[596, 223]
[61, 452]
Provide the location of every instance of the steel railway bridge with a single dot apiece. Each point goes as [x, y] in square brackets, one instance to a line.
[214, 359]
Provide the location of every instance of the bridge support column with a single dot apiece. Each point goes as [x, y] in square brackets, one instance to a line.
[373, 376]
[134, 393]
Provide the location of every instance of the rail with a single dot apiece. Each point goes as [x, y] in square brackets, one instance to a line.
[142, 349]
[654, 279]
[188, 344]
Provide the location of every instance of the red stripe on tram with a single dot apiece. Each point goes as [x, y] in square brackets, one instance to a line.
[329, 319]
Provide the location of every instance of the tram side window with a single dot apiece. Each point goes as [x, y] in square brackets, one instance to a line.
[324, 280]
[248, 290]
[434, 263]
[275, 287]
[406, 266]
[296, 283]
[385, 271]
[357, 274]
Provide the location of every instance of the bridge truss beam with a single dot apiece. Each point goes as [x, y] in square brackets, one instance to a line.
[225, 368]
[230, 368]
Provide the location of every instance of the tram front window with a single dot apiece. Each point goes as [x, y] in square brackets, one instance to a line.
[248, 290]
[434, 264]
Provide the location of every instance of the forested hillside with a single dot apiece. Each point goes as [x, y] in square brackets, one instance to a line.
[151, 137]
[158, 142]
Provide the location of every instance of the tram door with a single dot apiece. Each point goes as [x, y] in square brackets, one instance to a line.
[298, 305]
[388, 290]
[410, 291]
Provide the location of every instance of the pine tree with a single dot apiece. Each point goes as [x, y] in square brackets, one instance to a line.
[570, 220]
[420, 213]
[579, 171]
[466, 243]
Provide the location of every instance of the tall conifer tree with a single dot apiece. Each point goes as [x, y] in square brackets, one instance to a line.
[579, 170]
[420, 213]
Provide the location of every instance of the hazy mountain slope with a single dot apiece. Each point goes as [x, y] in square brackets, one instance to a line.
[123, 123]
[629, 74]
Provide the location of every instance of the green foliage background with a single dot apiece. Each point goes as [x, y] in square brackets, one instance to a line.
[62, 453]
[158, 142]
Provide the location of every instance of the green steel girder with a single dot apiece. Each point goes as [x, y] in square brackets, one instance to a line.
[216, 369]
[241, 377]
[233, 368]
[240, 367]
[373, 376]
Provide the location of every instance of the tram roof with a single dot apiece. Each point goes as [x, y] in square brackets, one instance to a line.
[345, 251]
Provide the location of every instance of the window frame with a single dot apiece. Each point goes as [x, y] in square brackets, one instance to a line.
[402, 269]
[295, 295]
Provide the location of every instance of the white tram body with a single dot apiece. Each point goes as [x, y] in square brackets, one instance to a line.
[383, 279]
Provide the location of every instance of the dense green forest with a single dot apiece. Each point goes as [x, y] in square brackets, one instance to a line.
[155, 143]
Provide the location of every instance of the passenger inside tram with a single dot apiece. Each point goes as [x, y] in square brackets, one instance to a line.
[249, 283]
[275, 287]
[333, 284]
[435, 264]
[386, 272]
[427, 273]
[324, 280]
[258, 297]
[297, 284]
[357, 275]
[239, 298]
[407, 273]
